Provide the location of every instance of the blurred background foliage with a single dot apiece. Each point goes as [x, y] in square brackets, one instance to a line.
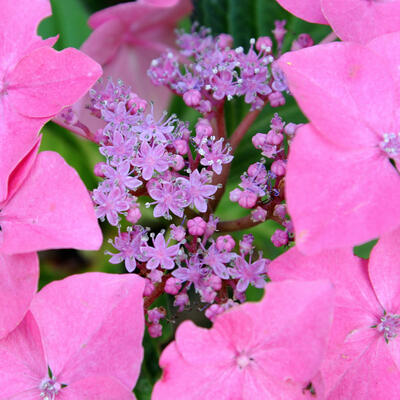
[243, 19]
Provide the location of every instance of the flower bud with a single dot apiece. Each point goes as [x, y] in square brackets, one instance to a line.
[172, 286]
[278, 167]
[192, 97]
[98, 169]
[247, 199]
[264, 43]
[134, 214]
[280, 238]
[225, 243]
[196, 226]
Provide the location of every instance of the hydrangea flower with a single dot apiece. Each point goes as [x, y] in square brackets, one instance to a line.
[355, 20]
[266, 350]
[62, 348]
[33, 80]
[350, 93]
[363, 358]
[160, 254]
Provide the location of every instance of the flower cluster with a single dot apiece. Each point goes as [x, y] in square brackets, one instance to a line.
[213, 71]
[153, 158]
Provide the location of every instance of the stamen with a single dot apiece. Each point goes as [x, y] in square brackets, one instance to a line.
[391, 144]
[389, 326]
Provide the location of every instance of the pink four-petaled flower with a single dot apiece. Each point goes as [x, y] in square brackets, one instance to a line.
[87, 331]
[339, 167]
[256, 351]
[363, 358]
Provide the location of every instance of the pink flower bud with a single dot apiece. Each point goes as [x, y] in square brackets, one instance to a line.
[69, 116]
[205, 106]
[207, 295]
[181, 146]
[155, 330]
[99, 136]
[196, 226]
[178, 232]
[148, 288]
[264, 43]
[278, 167]
[181, 300]
[276, 99]
[213, 311]
[135, 103]
[304, 40]
[247, 199]
[280, 211]
[259, 214]
[234, 195]
[177, 162]
[225, 243]
[192, 98]
[246, 244]
[215, 282]
[134, 214]
[155, 275]
[254, 169]
[290, 128]
[203, 128]
[274, 138]
[98, 169]
[289, 226]
[224, 41]
[172, 286]
[280, 238]
[155, 314]
[258, 140]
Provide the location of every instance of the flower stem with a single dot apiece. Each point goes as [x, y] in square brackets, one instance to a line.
[329, 38]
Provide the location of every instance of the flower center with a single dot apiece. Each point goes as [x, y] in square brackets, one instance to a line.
[391, 144]
[389, 326]
[49, 388]
[243, 360]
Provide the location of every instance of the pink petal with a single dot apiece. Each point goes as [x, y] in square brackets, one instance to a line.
[192, 340]
[19, 275]
[22, 363]
[143, 15]
[291, 341]
[328, 209]
[372, 376]
[22, 170]
[341, 77]
[18, 135]
[347, 272]
[93, 324]
[384, 271]
[361, 20]
[46, 81]
[202, 383]
[16, 37]
[388, 47]
[52, 209]
[96, 388]
[309, 10]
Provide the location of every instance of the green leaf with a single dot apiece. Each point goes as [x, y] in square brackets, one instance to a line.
[365, 249]
[69, 20]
